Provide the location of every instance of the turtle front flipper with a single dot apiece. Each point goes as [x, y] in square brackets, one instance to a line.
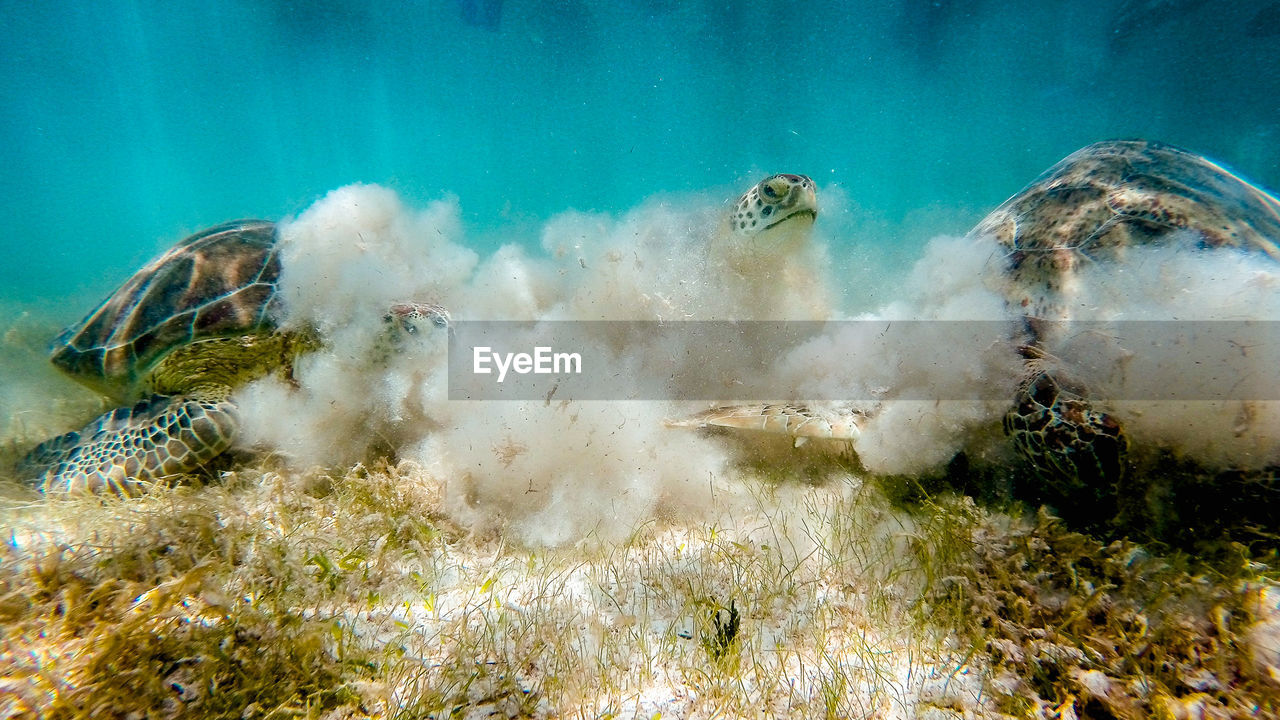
[797, 421]
[1077, 450]
[129, 447]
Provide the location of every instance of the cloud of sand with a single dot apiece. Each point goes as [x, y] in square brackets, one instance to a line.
[550, 472]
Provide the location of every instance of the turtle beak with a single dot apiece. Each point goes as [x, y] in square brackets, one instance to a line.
[804, 195]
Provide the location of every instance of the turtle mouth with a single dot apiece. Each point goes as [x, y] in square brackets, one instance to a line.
[811, 215]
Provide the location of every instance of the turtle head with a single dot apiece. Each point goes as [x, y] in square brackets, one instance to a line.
[406, 326]
[409, 318]
[778, 201]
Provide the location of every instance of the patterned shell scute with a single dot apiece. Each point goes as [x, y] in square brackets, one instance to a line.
[216, 283]
[1123, 193]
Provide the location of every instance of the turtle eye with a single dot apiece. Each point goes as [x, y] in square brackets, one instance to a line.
[775, 188]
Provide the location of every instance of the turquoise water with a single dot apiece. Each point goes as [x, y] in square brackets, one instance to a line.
[127, 124]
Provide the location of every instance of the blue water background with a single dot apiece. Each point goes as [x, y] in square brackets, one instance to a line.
[127, 124]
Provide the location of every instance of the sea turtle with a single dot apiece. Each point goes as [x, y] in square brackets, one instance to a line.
[777, 199]
[761, 256]
[176, 340]
[771, 219]
[1086, 210]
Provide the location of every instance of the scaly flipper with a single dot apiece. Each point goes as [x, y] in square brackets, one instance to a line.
[797, 421]
[1072, 446]
[129, 447]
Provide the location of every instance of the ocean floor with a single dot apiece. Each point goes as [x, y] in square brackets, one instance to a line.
[271, 593]
[285, 592]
